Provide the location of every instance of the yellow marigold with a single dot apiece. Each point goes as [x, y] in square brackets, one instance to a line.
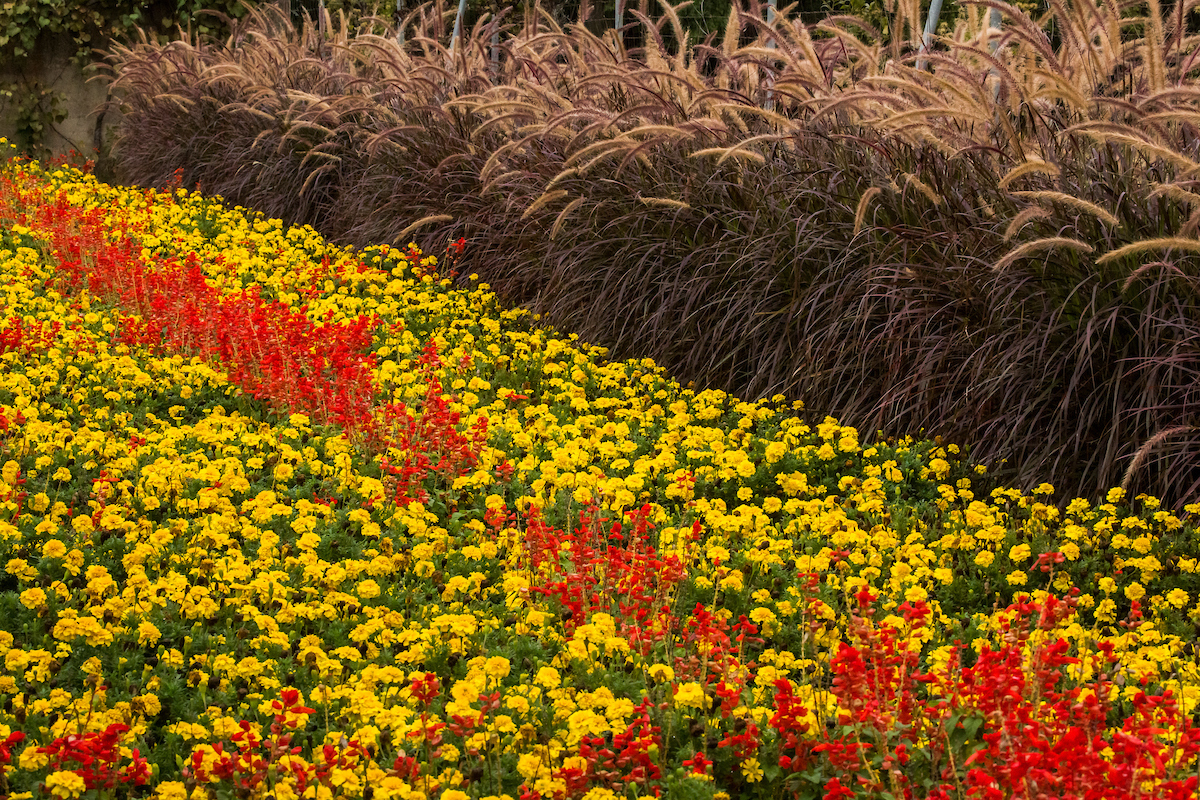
[148, 633]
[171, 790]
[1019, 553]
[54, 549]
[1178, 598]
[65, 783]
[661, 672]
[497, 667]
[33, 599]
[775, 451]
[734, 581]
[690, 695]
[547, 677]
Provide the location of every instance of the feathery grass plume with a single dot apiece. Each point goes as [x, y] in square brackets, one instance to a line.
[1176, 193]
[919, 117]
[1165, 243]
[663, 202]
[1040, 245]
[1071, 201]
[547, 197]
[1109, 133]
[1026, 216]
[423, 221]
[741, 151]
[1150, 267]
[1143, 452]
[562, 216]
[922, 187]
[1155, 51]
[860, 212]
[1192, 226]
[1033, 166]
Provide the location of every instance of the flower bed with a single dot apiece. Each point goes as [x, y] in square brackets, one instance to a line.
[286, 520]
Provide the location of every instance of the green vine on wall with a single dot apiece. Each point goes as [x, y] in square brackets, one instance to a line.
[33, 109]
[92, 24]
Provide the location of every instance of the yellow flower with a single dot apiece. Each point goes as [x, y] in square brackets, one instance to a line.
[497, 667]
[149, 704]
[734, 581]
[690, 695]
[54, 549]
[752, 770]
[1019, 552]
[529, 765]
[1178, 598]
[33, 599]
[65, 784]
[148, 633]
[984, 558]
[1017, 578]
[30, 759]
[547, 677]
[661, 673]
[598, 793]
[1135, 591]
[171, 790]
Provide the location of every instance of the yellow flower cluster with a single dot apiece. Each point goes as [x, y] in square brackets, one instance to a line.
[179, 556]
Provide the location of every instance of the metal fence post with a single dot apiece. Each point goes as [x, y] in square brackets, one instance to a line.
[931, 23]
[458, 18]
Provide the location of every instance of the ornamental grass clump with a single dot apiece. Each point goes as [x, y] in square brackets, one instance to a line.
[999, 249]
[480, 559]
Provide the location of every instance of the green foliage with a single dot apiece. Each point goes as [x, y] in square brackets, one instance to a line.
[34, 109]
[90, 25]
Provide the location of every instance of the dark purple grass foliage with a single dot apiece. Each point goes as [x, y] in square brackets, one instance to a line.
[927, 253]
